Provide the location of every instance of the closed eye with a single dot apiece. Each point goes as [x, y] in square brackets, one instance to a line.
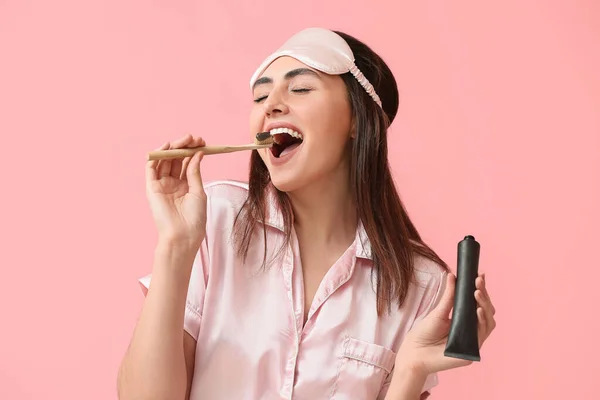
[259, 99]
[301, 90]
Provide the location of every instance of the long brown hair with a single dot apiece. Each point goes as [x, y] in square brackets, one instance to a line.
[393, 237]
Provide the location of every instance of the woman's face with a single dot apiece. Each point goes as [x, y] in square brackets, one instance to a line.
[311, 115]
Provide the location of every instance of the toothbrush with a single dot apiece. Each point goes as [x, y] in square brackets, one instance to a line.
[262, 140]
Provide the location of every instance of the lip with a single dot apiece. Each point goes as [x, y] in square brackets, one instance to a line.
[276, 161]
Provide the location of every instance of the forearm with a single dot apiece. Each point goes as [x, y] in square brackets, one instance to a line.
[406, 384]
[154, 365]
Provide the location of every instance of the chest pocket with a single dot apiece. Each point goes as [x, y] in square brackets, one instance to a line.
[362, 370]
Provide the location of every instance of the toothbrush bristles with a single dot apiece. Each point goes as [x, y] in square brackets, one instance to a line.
[263, 135]
[263, 138]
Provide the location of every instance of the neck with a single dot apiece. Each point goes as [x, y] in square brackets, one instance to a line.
[325, 211]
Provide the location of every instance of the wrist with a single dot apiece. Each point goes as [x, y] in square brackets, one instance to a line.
[178, 244]
[412, 368]
[175, 255]
[407, 383]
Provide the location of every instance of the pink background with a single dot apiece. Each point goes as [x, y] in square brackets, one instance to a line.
[497, 136]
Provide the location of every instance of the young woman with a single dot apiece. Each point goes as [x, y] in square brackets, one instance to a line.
[309, 282]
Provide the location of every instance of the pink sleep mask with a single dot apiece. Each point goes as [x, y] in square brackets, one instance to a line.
[323, 50]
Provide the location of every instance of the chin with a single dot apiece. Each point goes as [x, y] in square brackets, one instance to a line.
[286, 184]
[286, 178]
[292, 178]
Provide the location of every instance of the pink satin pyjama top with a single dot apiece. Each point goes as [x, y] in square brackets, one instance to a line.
[248, 321]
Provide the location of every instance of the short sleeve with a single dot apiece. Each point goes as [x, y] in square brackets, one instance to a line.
[196, 289]
[434, 278]
[224, 199]
[195, 296]
[431, 297]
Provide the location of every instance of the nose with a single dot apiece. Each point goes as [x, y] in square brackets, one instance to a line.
[275, 105]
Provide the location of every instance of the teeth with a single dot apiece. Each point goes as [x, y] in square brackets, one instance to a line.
[278, 131]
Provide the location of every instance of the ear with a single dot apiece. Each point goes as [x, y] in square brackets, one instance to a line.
[353, 129]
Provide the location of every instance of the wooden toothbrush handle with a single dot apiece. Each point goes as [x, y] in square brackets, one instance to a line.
[207, 150]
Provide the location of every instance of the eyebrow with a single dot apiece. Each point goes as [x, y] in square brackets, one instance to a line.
[291, 74]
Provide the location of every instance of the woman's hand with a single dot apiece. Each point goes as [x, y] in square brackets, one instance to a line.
[176, 195]
[423, 347]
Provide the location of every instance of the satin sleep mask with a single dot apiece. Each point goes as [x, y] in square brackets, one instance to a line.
[323, 50]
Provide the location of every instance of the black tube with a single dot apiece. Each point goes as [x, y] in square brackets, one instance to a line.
[463, 341]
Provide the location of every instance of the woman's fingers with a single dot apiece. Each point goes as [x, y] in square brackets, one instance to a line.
[152, 164]
[487, 295]
[480, 285]
[176, 168]
[196, 142]
[446, 303]
[482, 328]
[163, 168]
[184, 167]
[485, 310]
[484, 303]
[194, 176]
[152, 167]
[177, 164]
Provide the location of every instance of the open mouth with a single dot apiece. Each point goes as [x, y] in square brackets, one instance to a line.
[285, 141]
